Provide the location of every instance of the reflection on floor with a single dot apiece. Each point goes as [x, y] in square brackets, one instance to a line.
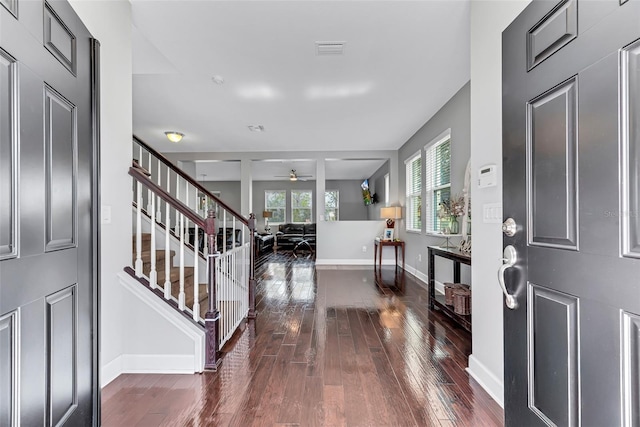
[330, 347]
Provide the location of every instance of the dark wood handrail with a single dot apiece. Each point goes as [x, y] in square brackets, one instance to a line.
[143, 179]
[190, 180]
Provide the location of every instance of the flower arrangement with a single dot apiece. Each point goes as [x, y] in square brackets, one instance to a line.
[453, 207]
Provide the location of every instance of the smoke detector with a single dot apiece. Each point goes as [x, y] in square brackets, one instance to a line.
[329, 48]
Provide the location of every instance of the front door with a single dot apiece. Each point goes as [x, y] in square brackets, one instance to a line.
[47, 269]
[571, 150]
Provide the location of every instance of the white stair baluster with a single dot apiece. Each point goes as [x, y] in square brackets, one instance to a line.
[138, 264]
[177, 230]
[181, 294]
[159, 213]
[167, 246]
[150, 193]
[153, 274]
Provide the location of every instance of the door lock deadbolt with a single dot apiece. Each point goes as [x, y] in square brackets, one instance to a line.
[509, 227]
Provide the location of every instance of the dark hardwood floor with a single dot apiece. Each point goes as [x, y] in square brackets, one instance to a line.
[330, 347]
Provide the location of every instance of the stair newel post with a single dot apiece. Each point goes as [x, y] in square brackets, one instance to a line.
[252, 266]
[212, 317]
[139, 265]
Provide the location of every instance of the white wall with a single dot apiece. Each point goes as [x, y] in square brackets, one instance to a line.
[110, 23]
[341, 242]
[488, 20]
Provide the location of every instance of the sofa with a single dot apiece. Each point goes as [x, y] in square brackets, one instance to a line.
[288, 233]
[264, 242]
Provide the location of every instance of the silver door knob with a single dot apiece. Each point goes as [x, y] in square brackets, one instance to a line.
[509, 260]
[509, 227]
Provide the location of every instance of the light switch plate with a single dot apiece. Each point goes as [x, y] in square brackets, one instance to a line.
[492, 213]
[105, 214]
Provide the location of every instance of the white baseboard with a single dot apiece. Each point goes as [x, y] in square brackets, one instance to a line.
[147, 364]
[492, 384]
[110, 371]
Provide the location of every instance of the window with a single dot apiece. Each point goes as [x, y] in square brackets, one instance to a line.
[414, 192]
[276, 202]
[331, 205]
[386, 190]
[437, 179]
[301, 203]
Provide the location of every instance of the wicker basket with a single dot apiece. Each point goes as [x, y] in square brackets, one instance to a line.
[462, 301]
[448, 292]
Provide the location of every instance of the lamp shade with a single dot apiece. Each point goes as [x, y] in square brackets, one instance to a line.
[267, 214]
[391, 212]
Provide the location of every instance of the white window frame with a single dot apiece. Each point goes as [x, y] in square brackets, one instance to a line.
[336, 209]
[429, 183]
[415, 196]
[387, 188]
[274, 208]
[310, 208]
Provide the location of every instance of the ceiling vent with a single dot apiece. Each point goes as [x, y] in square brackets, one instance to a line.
[330, 48]
[256, 128]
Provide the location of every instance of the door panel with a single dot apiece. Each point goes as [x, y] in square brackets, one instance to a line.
[551, 152]
[62, 398]
[631, 368]
[630, 96]
[60, 148]
[8, 181]
[568, 353]
[552, 329]
[8, 360]
[49, 283]
[555, 30]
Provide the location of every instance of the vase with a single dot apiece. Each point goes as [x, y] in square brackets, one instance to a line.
[455, 227]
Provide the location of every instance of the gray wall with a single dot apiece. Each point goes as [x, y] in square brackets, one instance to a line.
[351, 206]
[376, 185]
[455, 114]
[229, 192]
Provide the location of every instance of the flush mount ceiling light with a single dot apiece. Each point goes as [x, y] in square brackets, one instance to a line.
[256, 128]
[330, 48]
[174, 136]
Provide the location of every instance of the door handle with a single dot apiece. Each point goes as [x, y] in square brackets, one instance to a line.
[509, 260]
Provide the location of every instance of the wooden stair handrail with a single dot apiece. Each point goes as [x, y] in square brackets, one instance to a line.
[143, 179]
[190, 180]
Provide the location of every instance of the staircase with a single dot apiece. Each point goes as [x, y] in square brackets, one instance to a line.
[174, 276]
[191, 249]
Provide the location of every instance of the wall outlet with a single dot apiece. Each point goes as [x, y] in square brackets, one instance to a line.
[419, 257]
[364, 249]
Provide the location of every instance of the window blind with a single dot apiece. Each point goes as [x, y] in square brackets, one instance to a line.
[437, 181]
[414, 192]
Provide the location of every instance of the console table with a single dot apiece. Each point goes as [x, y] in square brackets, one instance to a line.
[379, 244]
[437, 301]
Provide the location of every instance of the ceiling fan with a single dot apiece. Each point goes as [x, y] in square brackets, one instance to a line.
[293, 176]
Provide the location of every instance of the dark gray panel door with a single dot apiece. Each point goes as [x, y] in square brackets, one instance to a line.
[571, 149]
[47, 270]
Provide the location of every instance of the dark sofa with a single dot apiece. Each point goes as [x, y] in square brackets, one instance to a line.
[288, 232]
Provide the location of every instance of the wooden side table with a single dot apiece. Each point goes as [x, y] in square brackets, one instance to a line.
[379, 244]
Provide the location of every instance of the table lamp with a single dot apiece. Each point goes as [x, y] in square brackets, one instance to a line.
[391, 213]
[266, 215]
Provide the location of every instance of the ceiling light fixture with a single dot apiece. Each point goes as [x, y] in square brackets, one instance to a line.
[256, 128]
[330, 48]
[174, 136]
[218, 79]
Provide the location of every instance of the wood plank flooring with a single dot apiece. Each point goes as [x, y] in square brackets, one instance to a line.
[330, 347]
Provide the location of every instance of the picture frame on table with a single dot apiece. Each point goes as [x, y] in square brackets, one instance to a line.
[388, 235]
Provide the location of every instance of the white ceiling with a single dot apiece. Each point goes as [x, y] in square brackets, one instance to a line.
[278, 170]
[402, 61]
